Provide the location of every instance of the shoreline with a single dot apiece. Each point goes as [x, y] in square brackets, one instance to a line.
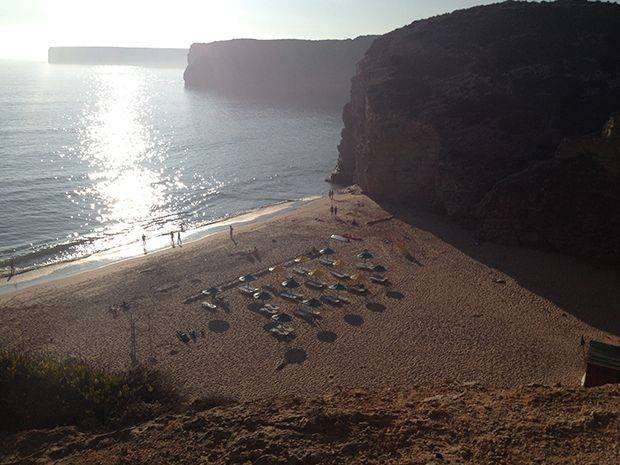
[134, 251]
[452, 308]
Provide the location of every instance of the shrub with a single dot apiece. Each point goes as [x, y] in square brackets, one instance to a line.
[38, 392]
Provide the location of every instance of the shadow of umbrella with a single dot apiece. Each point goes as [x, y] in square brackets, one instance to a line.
[353, 319]
[375, 307]
[295, 355]
[326, 336]
[218, 326]
[395, 295]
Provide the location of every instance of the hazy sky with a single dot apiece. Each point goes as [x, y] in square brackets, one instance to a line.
[29, 27]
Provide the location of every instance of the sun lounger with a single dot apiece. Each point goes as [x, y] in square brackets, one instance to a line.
[314, 284]
[247, 278]
[326, 262]
[307, 313]
[208, 305]
[340, 275]
[267, 311]
[301, 271]
[379, 279]
[339, 238]
[364, 266]
[312, 302]
[330, 300]
[183, 337]
[293, 296]
[358, 289]
[281, 317]
[247, 290]
[379, 269]
[283, 332]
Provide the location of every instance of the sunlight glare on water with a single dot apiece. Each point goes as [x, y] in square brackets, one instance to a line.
[95, 156]
[122, 153]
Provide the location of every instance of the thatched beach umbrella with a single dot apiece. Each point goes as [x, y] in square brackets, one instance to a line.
[276, 268]
[247, 278]
[302, 259]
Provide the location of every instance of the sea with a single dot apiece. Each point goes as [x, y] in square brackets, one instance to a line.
[94, 157]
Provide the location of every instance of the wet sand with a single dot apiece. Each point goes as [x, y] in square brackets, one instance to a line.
[459, 311]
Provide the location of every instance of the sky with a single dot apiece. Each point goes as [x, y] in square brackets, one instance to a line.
[29, 27]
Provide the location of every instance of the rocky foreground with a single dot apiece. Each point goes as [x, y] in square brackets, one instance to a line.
[450, 423]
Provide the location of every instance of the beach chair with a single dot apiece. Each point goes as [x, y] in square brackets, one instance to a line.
[379, 279]
[330, 300]
[208, 305]
[358, 289]
[292, 296]
[307, 314]
[247, 290]
[314, 284]
[339, 275]
[282, 332]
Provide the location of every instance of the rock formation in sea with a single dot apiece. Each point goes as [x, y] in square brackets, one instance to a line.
[165, 57]
[492, 115]
[277, 68]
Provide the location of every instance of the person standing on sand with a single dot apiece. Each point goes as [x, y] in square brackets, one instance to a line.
[335, 210]
[331, 209]
[231, 232]
[143, 241]
[179, 243]
[172, 237]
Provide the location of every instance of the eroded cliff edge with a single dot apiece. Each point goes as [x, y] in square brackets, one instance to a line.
[277, 68]
[472, 113]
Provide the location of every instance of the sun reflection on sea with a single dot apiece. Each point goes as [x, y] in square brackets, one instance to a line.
[123, 153]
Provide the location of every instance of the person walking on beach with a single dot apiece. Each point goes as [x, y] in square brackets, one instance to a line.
[172, 237]
[331, 209]
[179, 243]
[143, 241]
[335, 210]
[230, 231]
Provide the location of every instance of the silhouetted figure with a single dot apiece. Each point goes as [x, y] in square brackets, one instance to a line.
[230, 231]
[179, 243]
[172, 237]
[331, 209]
[11, 270]
[335, 211]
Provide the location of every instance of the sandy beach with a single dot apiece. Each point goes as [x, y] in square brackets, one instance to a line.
[456, 310]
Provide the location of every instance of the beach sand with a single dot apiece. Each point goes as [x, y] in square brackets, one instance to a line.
[459, 311]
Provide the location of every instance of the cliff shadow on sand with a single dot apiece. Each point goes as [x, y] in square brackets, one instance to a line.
[587, 290]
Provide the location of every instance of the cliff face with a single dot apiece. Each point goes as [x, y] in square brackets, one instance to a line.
[168, 57]
[447, 111]
[276, 68]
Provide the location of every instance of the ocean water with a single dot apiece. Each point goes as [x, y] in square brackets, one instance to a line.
[92, 157]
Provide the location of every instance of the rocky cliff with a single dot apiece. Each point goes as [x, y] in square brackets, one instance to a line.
[276, 68]
[467, 113]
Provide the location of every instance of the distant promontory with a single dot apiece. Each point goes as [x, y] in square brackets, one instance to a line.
[277, 68]
[167, 57]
